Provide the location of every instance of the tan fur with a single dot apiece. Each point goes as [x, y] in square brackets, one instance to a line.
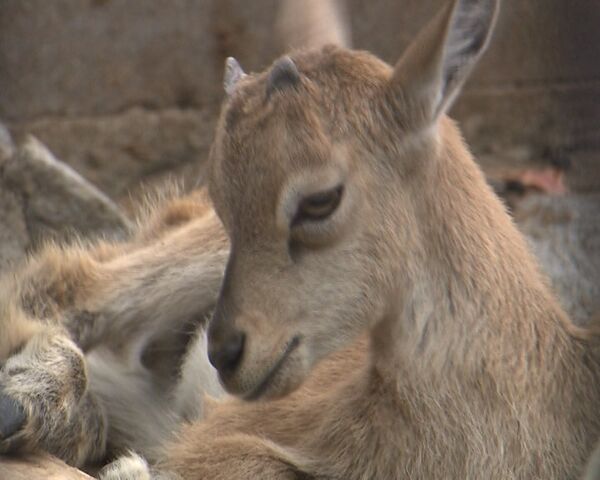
[132, 308]
[470, 368]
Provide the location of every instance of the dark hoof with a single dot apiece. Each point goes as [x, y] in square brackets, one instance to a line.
[12, 416]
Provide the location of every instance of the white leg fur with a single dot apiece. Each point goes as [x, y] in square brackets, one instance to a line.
[128, 467]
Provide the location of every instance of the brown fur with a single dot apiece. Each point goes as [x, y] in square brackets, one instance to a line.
[113, 303]
[471, 368]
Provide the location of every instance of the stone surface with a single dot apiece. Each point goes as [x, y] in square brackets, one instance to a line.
[116, 152]
[55, 200]
[42, 198]
[77, 57]
[14, 239]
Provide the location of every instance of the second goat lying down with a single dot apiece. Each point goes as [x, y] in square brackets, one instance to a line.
[353, 205]
[92, 337]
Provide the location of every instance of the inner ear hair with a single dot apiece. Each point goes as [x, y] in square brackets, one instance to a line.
[469, 31]
[437, 63]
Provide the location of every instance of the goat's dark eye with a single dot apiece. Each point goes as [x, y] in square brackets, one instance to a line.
[318, 206]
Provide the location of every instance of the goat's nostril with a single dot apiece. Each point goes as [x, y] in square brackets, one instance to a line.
[227, 356]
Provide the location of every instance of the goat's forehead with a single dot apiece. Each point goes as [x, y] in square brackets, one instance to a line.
[265, 154]
[251, 172]
[262, 139]
[323, 75]
[257, 130]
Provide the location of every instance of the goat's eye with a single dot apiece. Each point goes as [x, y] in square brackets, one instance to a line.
[318, 206]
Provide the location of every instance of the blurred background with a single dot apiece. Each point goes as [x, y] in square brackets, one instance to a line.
[124, 93]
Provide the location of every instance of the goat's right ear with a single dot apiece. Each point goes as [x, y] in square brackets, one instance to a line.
[430, 73]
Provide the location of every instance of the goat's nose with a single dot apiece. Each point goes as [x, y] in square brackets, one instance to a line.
[226, 356]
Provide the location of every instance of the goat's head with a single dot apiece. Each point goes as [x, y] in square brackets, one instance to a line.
[315, 173]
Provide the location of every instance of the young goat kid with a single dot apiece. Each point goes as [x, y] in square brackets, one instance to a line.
[353, 205]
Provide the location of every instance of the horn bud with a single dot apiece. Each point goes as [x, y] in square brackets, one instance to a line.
[284, 74]
[233, 74]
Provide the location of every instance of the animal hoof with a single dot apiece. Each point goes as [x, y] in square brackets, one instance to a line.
[12, 416]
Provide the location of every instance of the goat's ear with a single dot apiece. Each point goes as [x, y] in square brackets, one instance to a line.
[430, 73]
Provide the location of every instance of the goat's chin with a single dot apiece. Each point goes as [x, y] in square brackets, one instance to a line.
[279, 386]
[278, 380]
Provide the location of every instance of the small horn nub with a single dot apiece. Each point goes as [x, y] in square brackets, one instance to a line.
[283, 74]
[233, 74]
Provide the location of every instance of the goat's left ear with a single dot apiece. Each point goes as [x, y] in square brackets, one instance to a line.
[430, 73]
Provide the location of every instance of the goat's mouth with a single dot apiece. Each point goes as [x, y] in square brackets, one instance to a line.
[267, 380]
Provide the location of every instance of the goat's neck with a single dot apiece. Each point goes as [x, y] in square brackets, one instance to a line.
[470, 295]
